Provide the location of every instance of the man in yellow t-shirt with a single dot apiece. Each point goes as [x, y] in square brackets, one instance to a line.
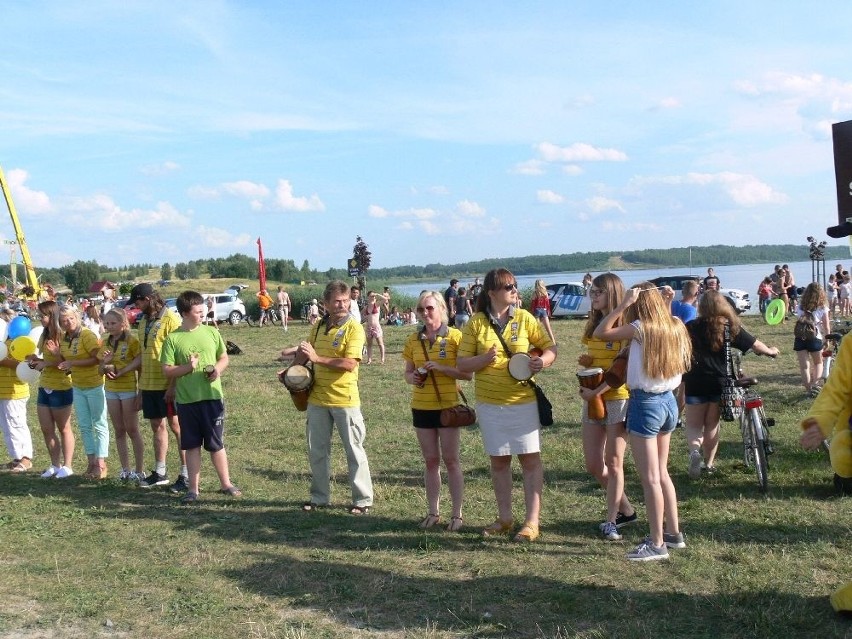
[156, 393]
[334, 347]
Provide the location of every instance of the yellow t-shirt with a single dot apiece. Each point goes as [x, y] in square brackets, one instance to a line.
[152, 334]
[334, 388]
[80, 347]
[51, 377]
[494, 384]
[603, 352]
[122, 354]
[10, 386]
[443, 351]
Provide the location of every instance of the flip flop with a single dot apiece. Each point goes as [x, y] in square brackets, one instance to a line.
[774, 312]
[233, 491]
[310, 506]
[359, 510]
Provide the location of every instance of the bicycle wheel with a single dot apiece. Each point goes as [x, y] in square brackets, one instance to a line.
[760, 463]
[748, 438]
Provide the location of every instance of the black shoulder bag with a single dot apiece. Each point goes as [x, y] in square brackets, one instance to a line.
[545, 408]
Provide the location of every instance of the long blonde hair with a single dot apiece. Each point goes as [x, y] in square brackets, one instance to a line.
[540, 289]
[614, 287]
[813, 298]
[666, 347]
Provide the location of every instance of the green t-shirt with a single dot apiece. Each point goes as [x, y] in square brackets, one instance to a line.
[179, 345]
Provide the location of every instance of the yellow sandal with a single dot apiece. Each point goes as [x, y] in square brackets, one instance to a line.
[499, 527]
[528, 532]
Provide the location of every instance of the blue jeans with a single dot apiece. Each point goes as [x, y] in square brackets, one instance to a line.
[90, 407]
[651, 414]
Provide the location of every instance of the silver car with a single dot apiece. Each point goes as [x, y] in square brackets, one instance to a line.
[569, 300]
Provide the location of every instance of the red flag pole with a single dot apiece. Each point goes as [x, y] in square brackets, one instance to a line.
[261, 266]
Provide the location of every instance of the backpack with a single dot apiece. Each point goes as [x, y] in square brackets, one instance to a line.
[805, 328]
[232, 349]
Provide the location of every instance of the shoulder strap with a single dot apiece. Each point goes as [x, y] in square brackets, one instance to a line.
[432, 377]
[729, 360]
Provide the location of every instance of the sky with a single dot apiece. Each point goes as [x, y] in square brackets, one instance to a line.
[440, 132]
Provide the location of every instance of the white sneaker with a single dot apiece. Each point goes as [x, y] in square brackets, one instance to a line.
[695, 462]
[63, 472]
[50, 472]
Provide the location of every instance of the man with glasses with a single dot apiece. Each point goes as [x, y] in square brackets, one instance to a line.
[334, 346]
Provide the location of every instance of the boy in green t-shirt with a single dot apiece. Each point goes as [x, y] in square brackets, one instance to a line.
[194, 355]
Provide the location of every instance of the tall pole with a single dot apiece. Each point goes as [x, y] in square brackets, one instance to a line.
[13, 267]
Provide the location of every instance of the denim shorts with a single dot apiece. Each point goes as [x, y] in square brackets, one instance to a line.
[540, 313]
[55, 398]
[651, 414]
[122, 395]
[703, 399]
[810, 345]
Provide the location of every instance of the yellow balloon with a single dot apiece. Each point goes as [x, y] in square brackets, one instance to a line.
[22, 346]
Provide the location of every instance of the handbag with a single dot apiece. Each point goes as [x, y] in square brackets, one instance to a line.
[455, 416]
[545, 408]
[731, 402]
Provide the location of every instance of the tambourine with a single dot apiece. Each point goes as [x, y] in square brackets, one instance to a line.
[591, 378]
[298, 379]
[519, 367]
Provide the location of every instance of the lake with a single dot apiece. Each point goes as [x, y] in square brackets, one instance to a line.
[743, 276]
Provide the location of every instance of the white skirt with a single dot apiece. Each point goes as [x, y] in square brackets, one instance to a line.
[509, 430]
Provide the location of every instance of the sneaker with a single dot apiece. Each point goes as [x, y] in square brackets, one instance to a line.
[63, 471]
[621, 520]
[180, 486]
[136, 476]
[610, 531]
[124, 475]
[154, 479]
[695, 463]
[647, 551]
[674, 540]
[50, 472]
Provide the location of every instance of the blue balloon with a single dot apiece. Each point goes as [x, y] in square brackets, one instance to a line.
[19, 326]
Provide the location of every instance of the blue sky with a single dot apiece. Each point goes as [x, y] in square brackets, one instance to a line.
[440, 132]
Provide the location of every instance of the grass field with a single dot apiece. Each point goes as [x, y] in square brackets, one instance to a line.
[106, 560]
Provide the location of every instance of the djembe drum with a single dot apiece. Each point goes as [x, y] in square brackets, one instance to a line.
[592, 378]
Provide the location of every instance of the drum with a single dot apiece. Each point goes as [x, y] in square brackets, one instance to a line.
[519, 367]
[298, 379]
[592, 378]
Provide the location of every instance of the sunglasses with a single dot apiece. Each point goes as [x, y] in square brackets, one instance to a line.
[510, 287]
[423, 309]
[594, 292]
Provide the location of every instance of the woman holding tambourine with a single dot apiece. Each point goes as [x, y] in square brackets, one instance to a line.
[506, 406]
[430, 366]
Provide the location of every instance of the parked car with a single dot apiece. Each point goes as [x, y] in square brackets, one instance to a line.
[227, 306]
[236, 288]
[133, 313]
[569, 300]
[736, 297]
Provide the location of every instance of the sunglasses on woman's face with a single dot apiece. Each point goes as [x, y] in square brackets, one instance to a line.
[423, 309]
[511, 287]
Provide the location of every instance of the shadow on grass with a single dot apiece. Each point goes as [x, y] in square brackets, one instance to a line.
[505, 606]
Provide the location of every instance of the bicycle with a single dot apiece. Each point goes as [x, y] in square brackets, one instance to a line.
[272, 318]
[754, 428]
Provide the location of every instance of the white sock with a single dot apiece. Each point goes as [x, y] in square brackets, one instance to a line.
[184, 472]
[160, 468]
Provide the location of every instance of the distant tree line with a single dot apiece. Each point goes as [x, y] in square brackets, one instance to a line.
[80, 275]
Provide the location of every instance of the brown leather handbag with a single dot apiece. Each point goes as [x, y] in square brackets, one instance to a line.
[458, 415]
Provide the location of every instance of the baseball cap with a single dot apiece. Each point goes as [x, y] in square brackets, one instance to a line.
[140, 291]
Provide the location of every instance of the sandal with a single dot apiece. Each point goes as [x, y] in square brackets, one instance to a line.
[528, 532]
[233, 491]
[499, 527]
[310, 506]
[455, 524]
[430, 520]
[189, 498]
[359, 510]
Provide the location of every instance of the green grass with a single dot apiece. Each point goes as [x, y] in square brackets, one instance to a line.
[78, 556]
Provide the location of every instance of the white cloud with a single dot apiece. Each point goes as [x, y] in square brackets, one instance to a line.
[466, 217]
[27, 201]
[286, 201]
[668, 103]
[374, 210]
[160, 169]
[572, 169]
[546, 196]
[466, 208]
[600, 204]
[103, 213]
[745, 190]
[579, 152]
[251, 191]
[215, 237]
[530, 167]
[630, 227]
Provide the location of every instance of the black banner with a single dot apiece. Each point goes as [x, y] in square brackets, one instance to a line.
[841, 133]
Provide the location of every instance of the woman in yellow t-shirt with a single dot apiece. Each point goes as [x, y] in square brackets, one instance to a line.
[435, 388]
[55, 396]
[121, 356]
[79, 350]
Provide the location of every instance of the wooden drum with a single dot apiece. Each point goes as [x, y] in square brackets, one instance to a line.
[298, 379]
[592, 378]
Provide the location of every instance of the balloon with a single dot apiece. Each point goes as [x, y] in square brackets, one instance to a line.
[4, 351]
[27, 374]
[35, 334]
[4, 329]
[21, 347]
[20, 326]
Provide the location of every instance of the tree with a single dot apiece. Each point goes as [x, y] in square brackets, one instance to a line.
[165, 271]
[180, 270]
[362, 255]
[80, 275]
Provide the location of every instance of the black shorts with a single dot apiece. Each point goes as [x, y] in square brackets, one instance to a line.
[426, 418]
[154, 405]
[202, 424]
